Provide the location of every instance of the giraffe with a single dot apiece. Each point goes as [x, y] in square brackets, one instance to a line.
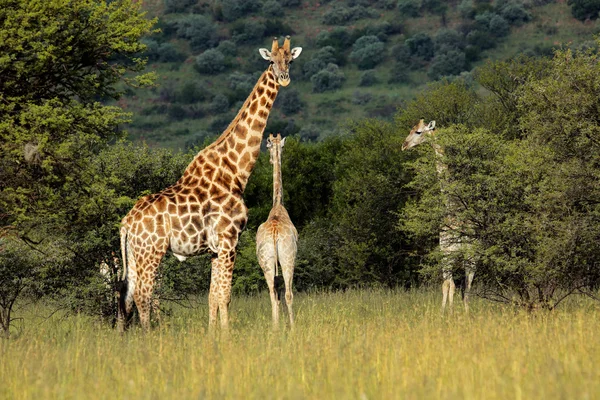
[450, 240]
[204, 210]
[276, 239]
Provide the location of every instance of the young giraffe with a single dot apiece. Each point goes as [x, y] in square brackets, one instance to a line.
[451, 241]
[204, 210]
[276, 239]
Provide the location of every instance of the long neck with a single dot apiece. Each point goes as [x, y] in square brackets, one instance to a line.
[239, 145]
[440, 166]
[277, 180]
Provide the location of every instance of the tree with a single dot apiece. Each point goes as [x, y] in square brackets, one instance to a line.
[449, 63]
[319, 61]
[58, 59]
[421, 45]
[409, 8]
[330, 78]
[289, 101]
[584, 9]
[200, 30]
[367, 52]
[210, 62]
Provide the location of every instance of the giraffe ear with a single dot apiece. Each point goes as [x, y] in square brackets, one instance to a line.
[296, 52]
[283, 142]
[269, 144]
[431, 126]
[266, 54]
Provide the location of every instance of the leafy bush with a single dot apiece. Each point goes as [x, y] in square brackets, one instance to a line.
[200, 30]
[399, 73]
[584, 9]
[368, 78]
[466, 8]
[515, 13]
[288, 101]
[167, 52]
[451, 62]
[340, 38]
[341, 15]
[421, 45]
[227, 48]
[319, 61]
[192, 92]
[235, 9]
[272, 8]
[367, 52]
[438, 7]
[178, 6]
[381, 30]
[290, 3]
[248, 31]
[241, 85]
[327, 79]
[401, 53]
[210, 62]
[409, 8]
[499, 27]
[219, 104]
[448, 39]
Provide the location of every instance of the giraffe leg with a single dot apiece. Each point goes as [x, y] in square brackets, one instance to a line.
[470, 274]
[270, 278]
[288, 276]
[126, 292]
[213, 302]
[448, 288]
[143, 291]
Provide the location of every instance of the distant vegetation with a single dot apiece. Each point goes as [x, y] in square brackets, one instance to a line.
[361, 57]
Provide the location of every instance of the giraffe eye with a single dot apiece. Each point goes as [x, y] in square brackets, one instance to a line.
[419, 132]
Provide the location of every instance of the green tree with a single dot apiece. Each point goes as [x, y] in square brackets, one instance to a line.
[584, 9]
[210, 62]
[59, 58]
[367, 52]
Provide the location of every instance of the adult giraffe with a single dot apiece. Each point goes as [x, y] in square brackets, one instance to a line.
[204, 210]
[276, 239]
[451, 241]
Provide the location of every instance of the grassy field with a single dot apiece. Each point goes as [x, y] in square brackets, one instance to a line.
[353, 345]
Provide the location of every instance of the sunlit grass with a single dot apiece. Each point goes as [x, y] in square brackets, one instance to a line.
[358, 344]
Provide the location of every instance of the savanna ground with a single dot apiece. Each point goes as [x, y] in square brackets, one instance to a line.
[370, 344]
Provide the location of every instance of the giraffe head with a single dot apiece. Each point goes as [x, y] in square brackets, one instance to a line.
[275, 145]
[418, 134]
[280, 59]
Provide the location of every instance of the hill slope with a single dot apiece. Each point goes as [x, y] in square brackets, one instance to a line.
[361, 58]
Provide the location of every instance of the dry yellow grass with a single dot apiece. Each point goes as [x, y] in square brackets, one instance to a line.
[353, 345]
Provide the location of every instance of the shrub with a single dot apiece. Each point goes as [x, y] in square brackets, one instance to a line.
[199, 30]
[516, 14]
[409, 8]
[401, 53]
[466, 9]
[399, 73]
[367, 52]
[227, 48]
[328, 79]
[421, 45]
[210, 62]
[341, 15]
[339, 38]
[449, 63]
[381, 30]
[176, 112]
[248, 31]
[290, 3]
[319, 61]
[584, 9]
[192, 93]
[272, 8]
[167, 52]
[499, 27]
[178, 6]
[235, 9]
[241, 85]
[289, 102]
[368, 78]
[219, 104]
[448, 39]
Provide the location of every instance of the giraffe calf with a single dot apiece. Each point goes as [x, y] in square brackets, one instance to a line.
[276, 239]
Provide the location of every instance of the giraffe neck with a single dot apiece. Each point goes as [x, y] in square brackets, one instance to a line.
[440, 166]
[239, 145]
[277, 180]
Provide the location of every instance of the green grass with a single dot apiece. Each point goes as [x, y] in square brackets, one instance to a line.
[353, 345]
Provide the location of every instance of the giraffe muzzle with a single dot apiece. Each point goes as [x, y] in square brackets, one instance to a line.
[284, 79]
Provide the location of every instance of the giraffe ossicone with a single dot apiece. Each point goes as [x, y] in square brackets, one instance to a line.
[277, 238]
[204, 210]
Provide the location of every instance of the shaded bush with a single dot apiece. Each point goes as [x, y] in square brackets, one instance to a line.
[368, 78]
[227, 48]
[340, 38]
[247, 31]
[192, 92]
[219, 104]
[409, 8]
[367, 52]
[178, 6]
[210, 62]
[327, 79]
[515, 13]
[235, 9]
[449, 63]
[341, 15]
[319, 61]
[288, 101]
[448, 39]
[584, 9]
[241, 85]
[199, 30]
[167, 52]
[272, 8]
[421, 45]
[399, 73]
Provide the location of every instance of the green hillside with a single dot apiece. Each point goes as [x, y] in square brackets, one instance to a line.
[361, 58]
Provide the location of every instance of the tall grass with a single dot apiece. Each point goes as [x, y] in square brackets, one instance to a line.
[352, 345]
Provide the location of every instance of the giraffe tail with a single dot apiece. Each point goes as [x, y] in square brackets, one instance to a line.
[278, 280]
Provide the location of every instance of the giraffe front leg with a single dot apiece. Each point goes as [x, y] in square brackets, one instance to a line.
[470, 274]
[220, 286]
[213, 303]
